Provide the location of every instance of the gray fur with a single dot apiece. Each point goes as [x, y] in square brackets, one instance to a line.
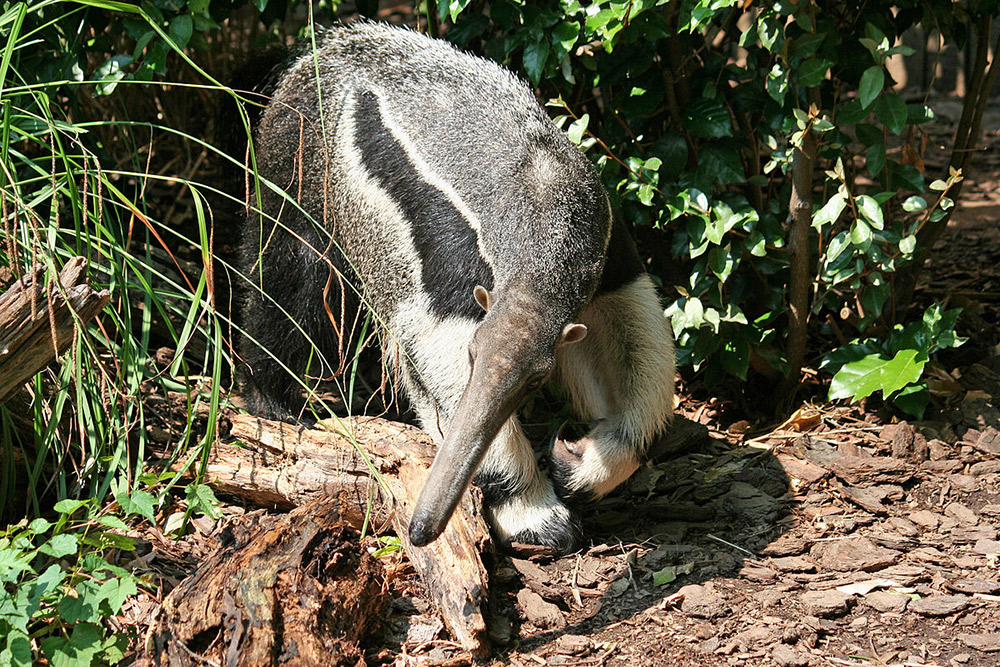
[436, 171]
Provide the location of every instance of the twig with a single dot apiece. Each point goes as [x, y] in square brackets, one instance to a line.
[796, 434]
[752, 555]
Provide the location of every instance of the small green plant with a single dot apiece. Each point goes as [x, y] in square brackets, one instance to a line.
[58, 590]
[893, 364]
[390, 545]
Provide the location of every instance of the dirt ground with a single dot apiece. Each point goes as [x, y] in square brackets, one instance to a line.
[840, 537]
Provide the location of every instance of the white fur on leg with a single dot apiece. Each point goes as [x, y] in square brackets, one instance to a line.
[536, 514]
[622, 374]
[533, 508]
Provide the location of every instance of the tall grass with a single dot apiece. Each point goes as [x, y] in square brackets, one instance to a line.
[122, 173]
[90, 176]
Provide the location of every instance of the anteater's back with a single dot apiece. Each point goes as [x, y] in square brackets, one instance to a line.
[468, 180]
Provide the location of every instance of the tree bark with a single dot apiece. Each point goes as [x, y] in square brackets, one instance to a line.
[284, 466]
[293, 590]
[37, 322]
[800, 209]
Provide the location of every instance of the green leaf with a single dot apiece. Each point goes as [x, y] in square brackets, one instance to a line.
[707, 119]
[19, 649]
[874, 372]
[872, 83]
[905, 50]
[805, 46]
[93, 564]
[664, 576]
[116, 590]
[838, 244]
[913, 399]
[39, 526]
[180, 30]
[770, 29]
[535, 55]
[110, 73]
[138, 502]
[868, 134]
[852, 113]
[673, 150]
[103, 539]
[451, 8]
[735, 357]
[84, 607]
[875, 159]
[890, 109]
[112, 521]
[80, 649]
[777, 83]
[721, 261]
[720, 161]
[694, 313]
[905, 177]
[756, 243]
[861, 234]
[115, 647]
[60, 546]
[201, 500]
[907, 245]
[812, 72]
[870, 211]
[48, 580]
[599, 20]
[564, 37]
[873, 298]
[917, 114]
[12, 563]
[68, 506]
[578, 128]
[831, 210]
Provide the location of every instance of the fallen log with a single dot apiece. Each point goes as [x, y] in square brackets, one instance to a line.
[284, 466]
[37, 321]
[294, 590]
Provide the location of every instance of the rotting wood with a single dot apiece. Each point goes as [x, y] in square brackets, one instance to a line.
[286, 466]
[34, 317]
[295, 589]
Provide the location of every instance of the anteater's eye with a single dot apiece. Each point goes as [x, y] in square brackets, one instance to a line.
[535, 381]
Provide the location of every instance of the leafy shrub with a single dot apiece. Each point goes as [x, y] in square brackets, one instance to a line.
[57, 589]
[696, 113]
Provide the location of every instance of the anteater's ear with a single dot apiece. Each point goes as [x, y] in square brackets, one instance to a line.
[573, 333]
[483, 297]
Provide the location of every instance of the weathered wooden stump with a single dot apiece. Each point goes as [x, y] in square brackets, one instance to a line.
[300, 592]
[323, 474]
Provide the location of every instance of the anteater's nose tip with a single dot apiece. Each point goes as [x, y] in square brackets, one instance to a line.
[422, 530]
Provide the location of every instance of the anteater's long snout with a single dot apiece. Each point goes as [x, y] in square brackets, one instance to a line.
[488, 402]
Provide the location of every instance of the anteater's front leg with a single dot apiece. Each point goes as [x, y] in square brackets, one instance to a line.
[621, 377]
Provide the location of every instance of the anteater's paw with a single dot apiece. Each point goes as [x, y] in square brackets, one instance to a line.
[591, 467]
[535, 521]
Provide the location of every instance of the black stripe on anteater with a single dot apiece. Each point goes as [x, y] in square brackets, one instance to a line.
[450, 262]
